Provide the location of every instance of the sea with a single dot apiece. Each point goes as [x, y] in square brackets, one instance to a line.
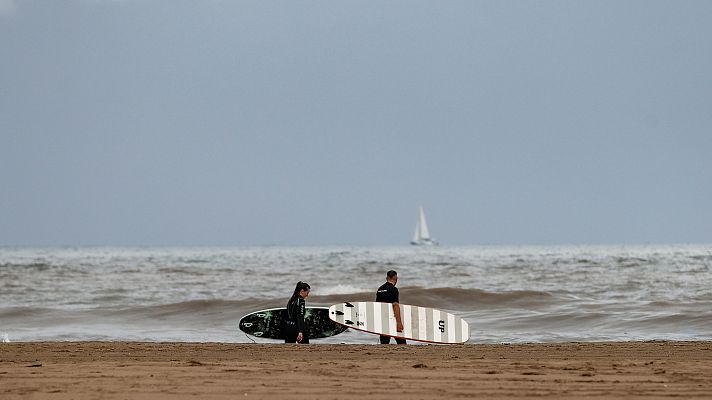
[507, 294]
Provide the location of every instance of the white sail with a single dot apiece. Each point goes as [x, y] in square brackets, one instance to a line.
[424, 233]
[421, 237]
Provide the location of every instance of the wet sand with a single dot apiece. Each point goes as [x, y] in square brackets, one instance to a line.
[121, 370]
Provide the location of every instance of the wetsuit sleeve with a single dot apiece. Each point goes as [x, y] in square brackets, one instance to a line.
[300, 316]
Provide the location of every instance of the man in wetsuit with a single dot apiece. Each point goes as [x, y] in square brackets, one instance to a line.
[388, 293]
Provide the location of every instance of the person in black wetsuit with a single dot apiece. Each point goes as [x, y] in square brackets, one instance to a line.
[388, 293]
[294, 328]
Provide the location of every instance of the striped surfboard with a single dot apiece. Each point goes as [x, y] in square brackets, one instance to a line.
[419, 323]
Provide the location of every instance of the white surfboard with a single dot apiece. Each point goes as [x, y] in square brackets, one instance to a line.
[419, 323]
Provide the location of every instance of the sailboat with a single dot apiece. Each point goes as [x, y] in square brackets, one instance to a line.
[421, 237]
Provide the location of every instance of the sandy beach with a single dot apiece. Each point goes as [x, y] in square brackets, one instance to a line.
[119, 370]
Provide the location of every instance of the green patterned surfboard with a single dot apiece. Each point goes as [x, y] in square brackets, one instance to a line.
[269, 323]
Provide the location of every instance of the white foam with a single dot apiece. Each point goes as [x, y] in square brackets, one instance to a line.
[339, 289]
[5, 338]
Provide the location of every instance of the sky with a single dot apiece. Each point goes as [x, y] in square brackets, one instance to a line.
[236, 123]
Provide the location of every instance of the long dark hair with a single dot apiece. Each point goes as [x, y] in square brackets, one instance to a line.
[300, 286]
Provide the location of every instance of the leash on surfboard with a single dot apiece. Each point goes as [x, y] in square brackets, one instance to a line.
[248, 336]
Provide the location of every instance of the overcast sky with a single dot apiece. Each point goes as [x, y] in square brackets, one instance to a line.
[139, 122]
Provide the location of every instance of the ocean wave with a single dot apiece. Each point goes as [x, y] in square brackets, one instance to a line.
[448, 298]
[510, 292]
[35, 265]
[198, 319]
[444, 298]
[193, 271]
[182, 309]
[339, 289]
[199, 307]
[668, 322]
[466, 299]
[633, 262]
[22, 312]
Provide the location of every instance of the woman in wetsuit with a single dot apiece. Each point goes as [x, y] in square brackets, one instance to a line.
[294, 328]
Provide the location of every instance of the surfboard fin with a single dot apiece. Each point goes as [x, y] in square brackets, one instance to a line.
[349, 322]
[337, 312]
[347, 304]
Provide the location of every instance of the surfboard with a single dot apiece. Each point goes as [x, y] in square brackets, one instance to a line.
[269, 323]
[419, 323]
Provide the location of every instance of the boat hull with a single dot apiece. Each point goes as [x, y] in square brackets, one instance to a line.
[424, 243]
